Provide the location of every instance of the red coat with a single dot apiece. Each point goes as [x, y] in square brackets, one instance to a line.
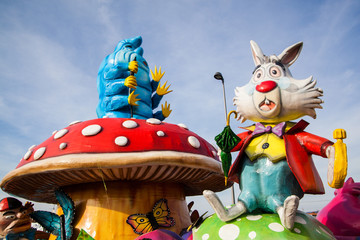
[299, 146]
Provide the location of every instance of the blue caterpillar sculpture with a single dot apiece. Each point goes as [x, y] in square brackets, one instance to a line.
[124, 85]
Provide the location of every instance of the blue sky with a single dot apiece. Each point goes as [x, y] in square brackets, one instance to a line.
[50, 52]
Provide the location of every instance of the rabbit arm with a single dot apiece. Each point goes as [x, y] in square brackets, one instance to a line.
[314, 144]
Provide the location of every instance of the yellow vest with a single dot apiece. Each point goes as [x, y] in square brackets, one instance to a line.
[267, 144]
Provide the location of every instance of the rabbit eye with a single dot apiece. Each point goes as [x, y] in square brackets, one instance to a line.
[275, 71]
[258, 75]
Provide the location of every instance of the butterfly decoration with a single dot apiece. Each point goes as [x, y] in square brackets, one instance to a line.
[52, 222]
[158, 217]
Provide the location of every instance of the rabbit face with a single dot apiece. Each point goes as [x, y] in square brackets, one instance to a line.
[272, 94]
[266, 95]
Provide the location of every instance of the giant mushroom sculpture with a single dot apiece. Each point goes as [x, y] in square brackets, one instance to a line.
[115, 167]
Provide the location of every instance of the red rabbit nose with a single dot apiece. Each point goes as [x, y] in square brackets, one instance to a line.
[266, 86]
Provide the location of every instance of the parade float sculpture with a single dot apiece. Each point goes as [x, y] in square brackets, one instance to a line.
[342, 214]
[159, 216]
[60, 226]
[15, 221]
[274, 167]
[126, 174]
[116, 168]
[124, 85]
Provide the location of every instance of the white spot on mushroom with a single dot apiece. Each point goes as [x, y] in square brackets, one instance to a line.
[300, 220]
[229, 232]
[27, 155]
[297, 230]
[183, 126]
[129, 124]
[74, 122]
[39, 153]
[252, 235]
[160, 133]
[276, 227]
[253, 217]
[63, 146]
[91, 130]
[60, 133]
[214, 153]
[153, 121]
[205, 236]
[53, 132]
[194, 142]
[32, 147]
[121, 141]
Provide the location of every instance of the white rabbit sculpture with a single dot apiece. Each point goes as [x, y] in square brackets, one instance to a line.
[274, 167]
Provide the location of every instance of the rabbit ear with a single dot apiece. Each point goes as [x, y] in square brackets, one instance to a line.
[257, 54]
[290, 54]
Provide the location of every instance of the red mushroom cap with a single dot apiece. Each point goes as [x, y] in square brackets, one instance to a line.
[116, 149]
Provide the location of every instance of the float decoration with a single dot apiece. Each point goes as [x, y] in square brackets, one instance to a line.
[158, 217]
[226, 141]
[128, 159]
[196, 221]
[274, 166]
[338, 170]
[124, 85]
[342, 214]
[110, 149]
[61, 226]
[83, 235]
[259, 225]
[15, 221]
[139, 161]
[114, 166]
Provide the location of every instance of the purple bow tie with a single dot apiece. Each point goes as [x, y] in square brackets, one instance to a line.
[278, 130]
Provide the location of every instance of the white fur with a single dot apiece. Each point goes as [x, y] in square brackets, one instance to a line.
[292, 98]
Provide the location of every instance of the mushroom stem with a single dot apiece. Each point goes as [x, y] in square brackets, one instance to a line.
[103, 214]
